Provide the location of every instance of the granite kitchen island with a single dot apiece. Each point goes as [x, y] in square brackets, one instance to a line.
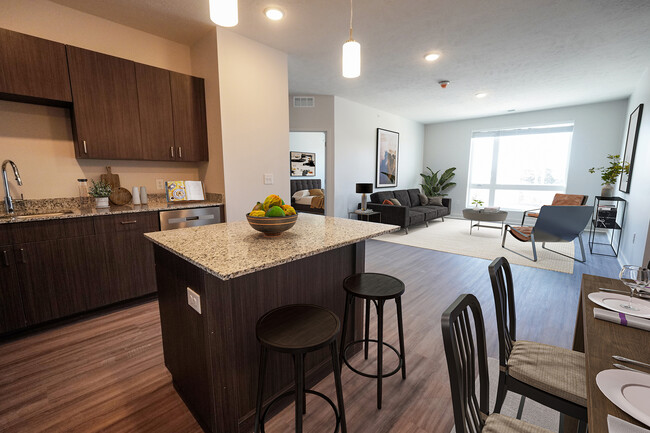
[238, 275]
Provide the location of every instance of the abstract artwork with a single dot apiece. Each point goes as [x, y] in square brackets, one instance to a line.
[630, 148]
[303, 164]
[387, 154]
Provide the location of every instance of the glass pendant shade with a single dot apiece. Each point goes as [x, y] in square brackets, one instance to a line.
[351, 59]
[224, 12]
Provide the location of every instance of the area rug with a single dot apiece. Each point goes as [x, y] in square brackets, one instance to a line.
[534, 413]
[452, 236]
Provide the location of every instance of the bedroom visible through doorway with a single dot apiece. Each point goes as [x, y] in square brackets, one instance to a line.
[307, 165]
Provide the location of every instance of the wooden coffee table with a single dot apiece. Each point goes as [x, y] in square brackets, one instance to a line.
[480, 215]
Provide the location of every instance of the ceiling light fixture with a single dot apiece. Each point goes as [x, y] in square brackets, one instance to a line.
[274, 13]
[481, 95]
[351, 54]
[224, 12]
[431, 57]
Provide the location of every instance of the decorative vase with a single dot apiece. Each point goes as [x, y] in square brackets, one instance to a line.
[101, 202]
[607, 190]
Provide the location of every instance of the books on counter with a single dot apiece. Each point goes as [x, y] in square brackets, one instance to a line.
[184, 190]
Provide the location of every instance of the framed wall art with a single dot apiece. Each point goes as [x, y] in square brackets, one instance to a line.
[387, 156]
[303, 164]
[630, 147]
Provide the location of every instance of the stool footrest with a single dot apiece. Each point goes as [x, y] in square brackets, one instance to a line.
[307, 391]
[371, 340]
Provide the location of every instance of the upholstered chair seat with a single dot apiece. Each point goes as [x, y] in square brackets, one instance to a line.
[497, 423]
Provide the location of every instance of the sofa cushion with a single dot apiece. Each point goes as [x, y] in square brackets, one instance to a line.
[414, 195]
[435, 201]
[379, 197]
[429, 213]
[415, 217]
[403, 196]
[439, 210]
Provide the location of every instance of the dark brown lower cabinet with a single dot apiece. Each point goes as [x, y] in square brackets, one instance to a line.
[11, 305]
[60, 277]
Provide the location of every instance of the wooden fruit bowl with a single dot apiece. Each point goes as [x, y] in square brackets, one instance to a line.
[272, 226]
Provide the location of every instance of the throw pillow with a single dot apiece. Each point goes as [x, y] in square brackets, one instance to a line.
[387, 202]
[316, 192]
[396, 202]
[300, 194]
[436, 201]
[423, 199]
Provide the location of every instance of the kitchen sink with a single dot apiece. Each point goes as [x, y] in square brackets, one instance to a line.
[43, 215]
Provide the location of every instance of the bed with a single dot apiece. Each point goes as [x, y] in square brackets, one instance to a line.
[307, 203]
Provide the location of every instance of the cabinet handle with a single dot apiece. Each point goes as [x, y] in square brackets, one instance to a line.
[128, 222]
[23, 258]
[85, 148]
[171, 149]
[180, 152]
[5, 258]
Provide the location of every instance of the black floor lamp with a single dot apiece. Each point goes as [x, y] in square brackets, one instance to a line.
[364, 188]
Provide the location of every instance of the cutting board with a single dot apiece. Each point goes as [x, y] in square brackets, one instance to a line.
[112, 179]
[120, 196]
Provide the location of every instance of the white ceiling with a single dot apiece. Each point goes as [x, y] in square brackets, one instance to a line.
[526, 54]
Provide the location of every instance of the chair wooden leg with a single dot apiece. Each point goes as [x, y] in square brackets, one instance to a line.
[260, 390]
[501, 393]
[400, 330]
[344, 329]
[380, 349]
[339, 388]
[532, 241]
[520, 410]
[300, 389]
[582, 249]
[304, 394]
[367, 333]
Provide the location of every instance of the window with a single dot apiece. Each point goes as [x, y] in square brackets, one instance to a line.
[519, 169]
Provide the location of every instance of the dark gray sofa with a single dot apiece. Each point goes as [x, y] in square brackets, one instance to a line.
[411, 212]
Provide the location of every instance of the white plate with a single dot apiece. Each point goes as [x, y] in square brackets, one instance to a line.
[628, 390]
[613, 301]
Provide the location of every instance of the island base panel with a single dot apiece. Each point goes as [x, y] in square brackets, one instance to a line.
[213, 357]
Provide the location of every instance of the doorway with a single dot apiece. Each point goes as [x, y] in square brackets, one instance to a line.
[307, 159]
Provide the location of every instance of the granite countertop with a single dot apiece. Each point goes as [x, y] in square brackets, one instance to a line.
[234, 249]
[55, 209]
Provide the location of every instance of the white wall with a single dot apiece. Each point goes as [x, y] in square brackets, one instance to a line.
[635, 250]
[356, 150]
[312, 142]
[597, 132]
[253, 84]
[319, 118]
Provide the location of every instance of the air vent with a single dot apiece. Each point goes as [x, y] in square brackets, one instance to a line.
[303, 101]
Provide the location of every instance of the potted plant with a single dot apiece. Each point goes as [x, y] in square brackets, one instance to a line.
[477, 203]
[435, 185]
[100, 190]
[610, 173]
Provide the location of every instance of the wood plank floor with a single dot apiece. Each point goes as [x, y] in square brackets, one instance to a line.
[107, 373]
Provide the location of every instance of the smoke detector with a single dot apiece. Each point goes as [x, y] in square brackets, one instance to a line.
[444, 83]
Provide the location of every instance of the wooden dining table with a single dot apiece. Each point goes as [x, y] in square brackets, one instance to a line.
[600, 340]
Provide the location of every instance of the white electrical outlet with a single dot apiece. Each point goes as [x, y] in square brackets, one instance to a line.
[268, 178]
[160, 184]
[194, 300]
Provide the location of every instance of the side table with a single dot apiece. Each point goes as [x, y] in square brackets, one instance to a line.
[365, 216]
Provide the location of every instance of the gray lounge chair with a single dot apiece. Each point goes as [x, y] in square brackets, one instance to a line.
[554, 224]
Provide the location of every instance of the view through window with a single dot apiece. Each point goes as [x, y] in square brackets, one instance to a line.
[519, 169]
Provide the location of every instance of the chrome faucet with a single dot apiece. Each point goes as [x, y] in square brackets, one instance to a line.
[9, 203]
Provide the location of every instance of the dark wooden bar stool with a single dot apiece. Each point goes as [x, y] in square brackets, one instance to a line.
[375, 288]
[297, 330]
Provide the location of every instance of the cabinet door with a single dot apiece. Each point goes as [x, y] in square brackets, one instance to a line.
[190, 128]
[129, 255]
[11, 305]
[106, 120]
[60, 277]
[155, 107]
[32, 69]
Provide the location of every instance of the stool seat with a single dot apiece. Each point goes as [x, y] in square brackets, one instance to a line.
[297, 328]
[373, 286]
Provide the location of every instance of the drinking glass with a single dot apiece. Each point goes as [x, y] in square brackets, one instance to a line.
[635, 277]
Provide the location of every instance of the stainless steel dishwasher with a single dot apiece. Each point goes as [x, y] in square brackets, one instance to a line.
[193, 217]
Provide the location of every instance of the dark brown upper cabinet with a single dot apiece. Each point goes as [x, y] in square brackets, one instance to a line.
[106, 119]
[156, 119]
[33, 70]
[190, 129]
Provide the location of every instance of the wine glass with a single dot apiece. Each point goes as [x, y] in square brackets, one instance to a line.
[634, 277]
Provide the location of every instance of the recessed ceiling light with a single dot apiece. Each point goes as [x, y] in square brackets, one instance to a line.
[274, 13]
[481, 95]
[431, 57]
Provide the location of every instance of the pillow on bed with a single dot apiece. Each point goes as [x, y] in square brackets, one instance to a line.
[316, 191]
[300, 194]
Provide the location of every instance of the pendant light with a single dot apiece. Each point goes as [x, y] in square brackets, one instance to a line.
[224, 12]
[351, 54]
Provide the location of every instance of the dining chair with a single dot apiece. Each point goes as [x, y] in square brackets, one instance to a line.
[551, 375]
[558, 200]
[463, 350]
[554, 224]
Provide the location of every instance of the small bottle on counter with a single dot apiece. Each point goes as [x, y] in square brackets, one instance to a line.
[136, 195]
[143, 195]
[84, 197]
